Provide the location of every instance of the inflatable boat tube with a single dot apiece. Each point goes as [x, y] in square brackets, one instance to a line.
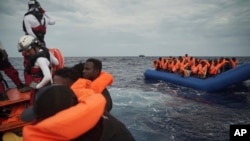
[221, 81]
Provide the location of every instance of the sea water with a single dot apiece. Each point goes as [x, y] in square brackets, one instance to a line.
[160, 111]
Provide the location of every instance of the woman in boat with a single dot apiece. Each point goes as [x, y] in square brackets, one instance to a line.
[39, 62]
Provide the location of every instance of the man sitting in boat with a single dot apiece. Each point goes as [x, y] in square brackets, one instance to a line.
[101, 125]
[92, 70]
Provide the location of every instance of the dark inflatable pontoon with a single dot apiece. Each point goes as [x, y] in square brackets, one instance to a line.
[221, 81]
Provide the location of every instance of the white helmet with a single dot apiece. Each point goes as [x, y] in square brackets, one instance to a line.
[27, 42]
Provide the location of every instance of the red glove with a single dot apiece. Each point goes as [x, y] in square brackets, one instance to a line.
[41, 10]
[39, 7]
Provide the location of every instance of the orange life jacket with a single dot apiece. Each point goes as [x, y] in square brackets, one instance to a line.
[212, 68]
[175, 65]
[164, 64]
[156, 64]
[100, 83]
[169, 65]
[72, 122]
[58, 54]
[183, 66]
[219, 66]
[215, 69]
[195, 68]
[202, 71]
[233, 63]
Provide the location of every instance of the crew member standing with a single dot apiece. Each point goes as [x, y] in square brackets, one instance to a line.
[36, 20]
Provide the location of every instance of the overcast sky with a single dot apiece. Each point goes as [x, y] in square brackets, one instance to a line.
[134, 27]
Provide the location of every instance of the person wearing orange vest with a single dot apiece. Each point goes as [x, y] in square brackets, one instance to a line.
[164, 64]
[156, 64]
[175, 65]
[169, 64]
[58, 114]
[233, 62]
[195, 68]
[183, 68]
[203, 68]
[214, 70]
[222, 61]
[66, 76]
[210, 68]
[186, 57]
[69, 75]
[92, 70]
[227, 65]
[105, 129]
[190, 62]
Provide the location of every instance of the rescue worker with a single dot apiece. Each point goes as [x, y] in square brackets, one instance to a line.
[10, 71]
[203, 68]
[35, 21]
[39, 62]
[91, 71]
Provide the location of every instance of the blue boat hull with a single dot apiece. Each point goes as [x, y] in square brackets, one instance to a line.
[221, 81]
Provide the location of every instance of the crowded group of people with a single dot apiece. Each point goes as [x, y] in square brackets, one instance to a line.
[193, 66]
[68, 103]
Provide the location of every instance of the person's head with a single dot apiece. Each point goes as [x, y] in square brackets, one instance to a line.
[92, 68]
[234, 59]
[28, 44]
[49, 100]
[66, 76]
[79, 68]
[33, 4]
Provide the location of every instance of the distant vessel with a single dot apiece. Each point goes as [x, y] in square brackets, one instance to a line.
[141, 55]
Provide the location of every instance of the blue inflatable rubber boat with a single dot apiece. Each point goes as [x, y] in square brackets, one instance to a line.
[221, 81]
